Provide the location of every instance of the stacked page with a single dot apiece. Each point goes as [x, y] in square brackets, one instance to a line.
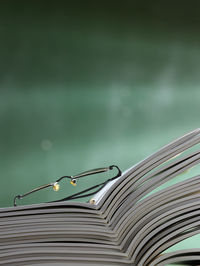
[129, 222]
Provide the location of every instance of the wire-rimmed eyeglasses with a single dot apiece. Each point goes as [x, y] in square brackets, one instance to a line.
[73, 181]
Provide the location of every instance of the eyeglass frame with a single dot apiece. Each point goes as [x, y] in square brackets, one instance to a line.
[77, 195]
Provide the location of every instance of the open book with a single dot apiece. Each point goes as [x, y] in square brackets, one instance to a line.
[128, 222]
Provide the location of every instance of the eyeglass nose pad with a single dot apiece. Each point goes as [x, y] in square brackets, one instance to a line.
[73, 182]
[56, 186]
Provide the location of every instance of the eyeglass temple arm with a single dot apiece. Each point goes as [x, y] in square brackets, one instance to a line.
[30, 192]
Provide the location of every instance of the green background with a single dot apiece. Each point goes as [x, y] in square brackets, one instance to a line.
[90, 84]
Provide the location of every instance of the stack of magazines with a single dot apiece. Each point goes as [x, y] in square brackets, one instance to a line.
[127, 222]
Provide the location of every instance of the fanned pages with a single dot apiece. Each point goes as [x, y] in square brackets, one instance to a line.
[132, 220]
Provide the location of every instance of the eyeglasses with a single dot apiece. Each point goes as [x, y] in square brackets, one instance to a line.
[73, 181]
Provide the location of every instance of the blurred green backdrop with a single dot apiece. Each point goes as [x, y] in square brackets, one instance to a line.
[90, 84]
